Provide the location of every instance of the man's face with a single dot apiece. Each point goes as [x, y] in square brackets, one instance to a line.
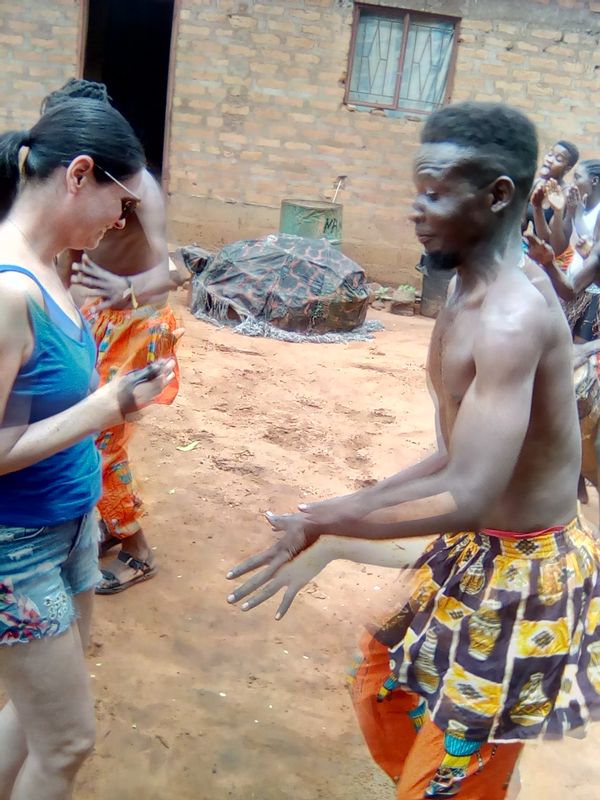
[451, 213]
[556, 164]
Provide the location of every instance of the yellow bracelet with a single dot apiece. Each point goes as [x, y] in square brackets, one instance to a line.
[132, 297]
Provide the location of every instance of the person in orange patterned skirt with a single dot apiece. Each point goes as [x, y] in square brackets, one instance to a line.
[123, 286]
[127, 338]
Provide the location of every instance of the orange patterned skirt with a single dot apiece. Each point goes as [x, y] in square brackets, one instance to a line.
[127, 340]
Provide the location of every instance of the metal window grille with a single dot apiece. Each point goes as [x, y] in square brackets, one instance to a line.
[401, 60]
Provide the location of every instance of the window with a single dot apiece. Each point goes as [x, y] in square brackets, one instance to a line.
[400, 59]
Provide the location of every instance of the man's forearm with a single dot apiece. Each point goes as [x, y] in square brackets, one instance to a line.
[153, 285]
[385, 493]
[435, 504]
[424, 517]
[562, 285]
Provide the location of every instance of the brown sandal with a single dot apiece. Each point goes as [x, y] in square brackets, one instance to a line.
[114, 585]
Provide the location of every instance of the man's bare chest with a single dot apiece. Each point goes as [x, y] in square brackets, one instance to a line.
[451, 356]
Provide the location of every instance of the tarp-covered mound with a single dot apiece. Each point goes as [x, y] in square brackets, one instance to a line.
[286, 281]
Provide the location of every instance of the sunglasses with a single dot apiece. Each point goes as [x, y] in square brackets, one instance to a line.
[128, 204]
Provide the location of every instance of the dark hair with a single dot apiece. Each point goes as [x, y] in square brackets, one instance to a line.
[70, 129]
[592, 167]
[76, 88]
[505, 140]
[571, 149]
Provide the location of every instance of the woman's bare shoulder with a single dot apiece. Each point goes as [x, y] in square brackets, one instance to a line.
[15, 288]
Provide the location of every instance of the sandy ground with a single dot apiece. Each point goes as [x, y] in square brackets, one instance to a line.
[198, 701]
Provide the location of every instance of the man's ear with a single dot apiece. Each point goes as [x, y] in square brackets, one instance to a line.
[79, 171]
[502, 191]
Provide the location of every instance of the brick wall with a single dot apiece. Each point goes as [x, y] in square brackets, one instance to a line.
[39, 47]
[258, 112]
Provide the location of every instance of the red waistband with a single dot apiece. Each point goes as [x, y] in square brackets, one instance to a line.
[515, 535]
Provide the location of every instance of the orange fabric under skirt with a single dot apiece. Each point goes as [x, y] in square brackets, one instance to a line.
[565, 258]
[127, 340]
[412, 750]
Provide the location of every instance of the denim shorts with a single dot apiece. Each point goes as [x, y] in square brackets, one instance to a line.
[40, 571]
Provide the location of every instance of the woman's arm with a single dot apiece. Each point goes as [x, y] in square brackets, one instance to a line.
[559, 240]
[572, 202]
[543, 254]
[539, 218]
[566, 288]
[23, 444]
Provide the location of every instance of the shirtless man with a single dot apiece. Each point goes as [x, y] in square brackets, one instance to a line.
[498, 642]
[124, 286]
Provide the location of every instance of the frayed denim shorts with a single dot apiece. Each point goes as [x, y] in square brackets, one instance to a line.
[41, 569]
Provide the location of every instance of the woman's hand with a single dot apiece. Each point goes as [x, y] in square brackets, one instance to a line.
[537, 195]
[539, 251]
[131, 392]
[574, 200]
[554, 195]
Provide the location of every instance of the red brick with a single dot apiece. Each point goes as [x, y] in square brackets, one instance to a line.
[266, 38]
[280, 25]
[493, 69]
[477, 24]
[312, 16]
[237, 21]
[527, 47]
[544, 33]
[299, 42]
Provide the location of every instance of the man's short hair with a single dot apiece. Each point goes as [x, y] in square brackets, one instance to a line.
[571, 149]
[504, 139]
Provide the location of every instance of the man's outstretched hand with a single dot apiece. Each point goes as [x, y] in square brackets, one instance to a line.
[298, 535]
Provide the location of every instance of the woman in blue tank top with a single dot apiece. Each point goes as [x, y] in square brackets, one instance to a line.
[63, 184]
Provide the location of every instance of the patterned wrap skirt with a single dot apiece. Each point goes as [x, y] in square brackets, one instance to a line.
[501, 636]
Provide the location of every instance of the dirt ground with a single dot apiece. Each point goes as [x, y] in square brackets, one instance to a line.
[198, 701]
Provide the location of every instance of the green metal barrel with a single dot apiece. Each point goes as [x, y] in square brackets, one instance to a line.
[314, 219]
[435, 290]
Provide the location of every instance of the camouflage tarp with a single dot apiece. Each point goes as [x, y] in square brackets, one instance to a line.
[295, 284]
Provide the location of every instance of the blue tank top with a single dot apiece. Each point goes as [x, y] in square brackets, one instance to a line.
[59, 373]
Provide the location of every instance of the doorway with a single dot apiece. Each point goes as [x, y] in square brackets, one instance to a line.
[128, 47]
